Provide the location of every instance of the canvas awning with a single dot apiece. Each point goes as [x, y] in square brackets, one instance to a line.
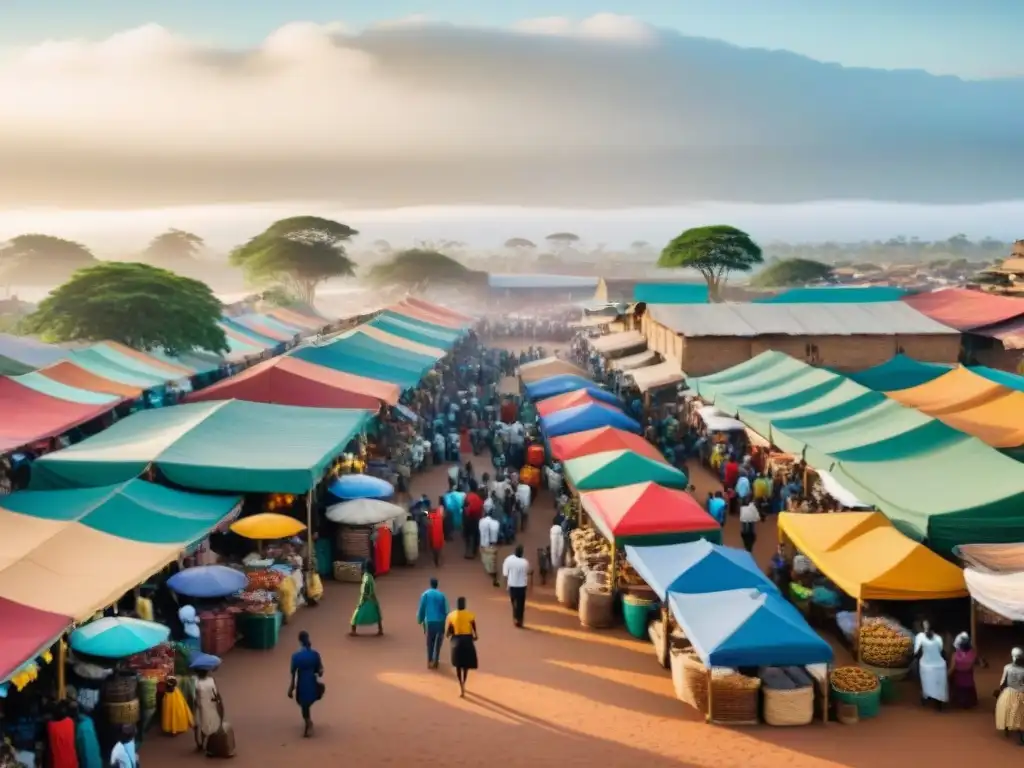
[834, 489]
[696, 567]
[618, 342]
[1001, 593]
[647, 357]
[965, 309]
[656, 376]
[556, 385]
[648, 513]
[602, 439]
[339, 357]
[227, 445]
[583, 417]
[30, 415]
[999, 558]
[610, 469]
[27, 633]
[548, 367]
[899, 372]
[573, 399]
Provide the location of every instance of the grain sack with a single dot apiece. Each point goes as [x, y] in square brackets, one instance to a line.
[567, 586]
[595, 608]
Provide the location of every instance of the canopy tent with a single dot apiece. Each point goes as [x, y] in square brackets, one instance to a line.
[583, 417]
[834, 489]
[380, 351]
[1001, 593]
[747, 628]
[575, 398]
[599, 440]
[955, 390]
[671, 293]
[30, 415]
[293, 381]
[965, 309]
[28, 632]
[648, 513]
[51, 388]
[71, 374]
[265, 329]
[28, 352]
[766, 370]
[434, 353]
[277, 324]
[139, 362]
[75, 552]
[998, 558]
[998, 422]
[716, 421]
[696, 567]
[1009, 380]
[249, 336]
[614, 343]
[836, 295]
[556, 385]
[549, 367]
[338, 357]
[227, 445]
[443, 313]
[869, 559]
[639, 360]
[899, 372]
[408, 329]
[656, 376]
[610, 469]
[299, 319]
[9, 367]
[432, 329]
[199, 361]
[100, 362]
[406, 309]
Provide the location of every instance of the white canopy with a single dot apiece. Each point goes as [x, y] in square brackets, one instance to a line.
[1001, 593]
[655, 376]
[364, 512]
[839, 493]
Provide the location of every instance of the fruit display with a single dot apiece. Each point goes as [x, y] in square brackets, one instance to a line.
[884, 643]
[854, 680]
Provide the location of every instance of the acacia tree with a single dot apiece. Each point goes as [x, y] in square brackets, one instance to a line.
[713, 251]
[787, 272]
[173, 247]
[417, 266]
[562, 240]
[297, 253]
[41, 259]
[139, 305]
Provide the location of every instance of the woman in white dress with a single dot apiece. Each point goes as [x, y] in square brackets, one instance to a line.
[932, 667]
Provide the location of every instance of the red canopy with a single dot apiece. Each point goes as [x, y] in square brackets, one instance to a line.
[437, 309]
[67, 372]
[27, 415]
[27, 633]
[570, 400]
[425, 316]
[291, 381]
[964, 309]
[601, 439]
[645, 509]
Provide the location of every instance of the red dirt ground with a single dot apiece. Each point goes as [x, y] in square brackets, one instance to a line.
[552, 694]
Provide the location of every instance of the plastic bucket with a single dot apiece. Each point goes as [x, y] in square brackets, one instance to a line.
[635, 614]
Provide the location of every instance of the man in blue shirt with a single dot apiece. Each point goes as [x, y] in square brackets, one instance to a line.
[716, 508]
[431, 615]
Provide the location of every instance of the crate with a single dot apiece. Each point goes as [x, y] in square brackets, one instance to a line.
[261, 631]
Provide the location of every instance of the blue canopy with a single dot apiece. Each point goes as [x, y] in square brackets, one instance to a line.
[556, 385]
[747, 628]
[603, 395]
[584, 417]
[696, 567]
[116, 637]
[206, 581]
[361, 487]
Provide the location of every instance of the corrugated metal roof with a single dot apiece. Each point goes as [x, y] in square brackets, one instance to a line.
[542, 281]
[748, 320]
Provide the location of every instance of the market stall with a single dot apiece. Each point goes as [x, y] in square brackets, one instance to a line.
[657, 376]
[575, 399]
[366, 527]
[541, 389]
[639, 360]
[548, 367]
[578, 444]
[610, 469]
[585, 417]
[616, 344]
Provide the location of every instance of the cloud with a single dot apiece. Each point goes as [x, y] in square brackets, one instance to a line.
[604, 112]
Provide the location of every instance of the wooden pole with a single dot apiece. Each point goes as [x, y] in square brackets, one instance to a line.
[613, 569]
[824, 699]
[860, 616]
[974, 631]
[665, 626]
[709, 718]
[309, 536]
[62, 687]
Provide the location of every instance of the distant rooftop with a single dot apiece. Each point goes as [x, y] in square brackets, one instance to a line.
[541, 281]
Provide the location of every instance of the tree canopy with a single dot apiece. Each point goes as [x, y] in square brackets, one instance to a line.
[417, 265]
[519, 243]
[42, 259]
[563, 238]
[139, 305]
[173, 247]
[298, 253]
[714, 251]
[791, 272]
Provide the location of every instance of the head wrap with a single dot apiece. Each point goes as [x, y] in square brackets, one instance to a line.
[961, 639]
[1017, 654]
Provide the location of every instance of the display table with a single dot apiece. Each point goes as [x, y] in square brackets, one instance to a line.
[260, 631]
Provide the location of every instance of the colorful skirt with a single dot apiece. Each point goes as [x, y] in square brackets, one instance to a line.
[1010, 710]
[366, 614]
[175, 716]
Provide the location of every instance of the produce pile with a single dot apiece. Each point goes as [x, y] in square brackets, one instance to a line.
[628, 577]
[593, 556]
[854, 680]
[884, 643]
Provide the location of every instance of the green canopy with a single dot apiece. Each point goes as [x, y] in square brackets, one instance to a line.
[134, 364]
[759, 372]
[899, 372]
[610, 469]
[95, 362]
[225, 445]
[358, 363]
[135, 510]
[381, 351]
[793, 391]
[11, 367]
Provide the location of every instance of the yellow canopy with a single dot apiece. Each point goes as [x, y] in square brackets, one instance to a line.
[549, 366]
[998, 422]
[867, 558]
[268, 525]
[954, 391]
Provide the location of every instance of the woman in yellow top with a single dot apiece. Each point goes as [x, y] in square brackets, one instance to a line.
[460, 629]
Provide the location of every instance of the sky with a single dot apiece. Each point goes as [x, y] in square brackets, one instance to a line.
[809, 118]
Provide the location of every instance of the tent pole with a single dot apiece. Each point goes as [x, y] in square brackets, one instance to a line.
[974, 631]
[613, 576]
[709, 718]
[309, 535]
[860, 617]
[62, 688]
[663, 653]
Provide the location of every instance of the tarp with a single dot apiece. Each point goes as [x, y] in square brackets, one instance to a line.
[29, 352]
[1010, 334]
[47, 386]
[434, 353]
[548, 367]
[747, 628]
[449, 315]
[407, 330]
[9, 367]
[265, 329]
[649, 513]
[956, 390]
[171, 368]
[656, 376]
[138, 363]
[869, 559]
[1002, 593]
[249, 336]
[899, 372]
[671, 293]
[1009, 380]
[556, 385]
[293, 381]
[74, 552]
[999, 558]
[836, 295]
[965, 309]
[998, 422]
[437, 329]
[834, 489]
[584, 417]
[427, 315]
[600, 440]
[696, 567]
[610, 469]
[227, 445]
[647, 357]
[576, 398]
[27, 633]
[618, 342]
[102, 363]
[29, 415]
[71, 374]
[381, 351]
[359, 363]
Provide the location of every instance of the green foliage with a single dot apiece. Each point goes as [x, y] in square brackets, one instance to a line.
[173, 247]
[519, 243]
[41, 259]
[791, 272]
[138, 305]
[563, 239]
[714, 251]
[298, 253]
[416, 266]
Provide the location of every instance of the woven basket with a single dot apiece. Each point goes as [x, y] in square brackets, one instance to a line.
[793, 707]
[847, 713]
[734, 698]
[596, 609]
[567, 586]
[122, 712]
[348, 572]
[120, 687]
[692, 687]
[218, 632]
[148, 687]
[353, 544]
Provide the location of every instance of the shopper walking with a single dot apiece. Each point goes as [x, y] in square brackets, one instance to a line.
[435, 531]
[431, 615]
[461, 631]
[305, 687]
[367, 611]
[516, 571]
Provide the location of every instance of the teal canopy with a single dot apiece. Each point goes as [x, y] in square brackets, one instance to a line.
[899, 372]
[357, 363]
[437, 332]
[671, 293]
[1003, 378]
[94, 361]
[381, 351]
[836, 295]
[222, 445]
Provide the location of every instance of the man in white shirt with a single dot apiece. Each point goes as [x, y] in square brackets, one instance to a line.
[523, 495]
[490, 535]
[749, 518]
[516, 570]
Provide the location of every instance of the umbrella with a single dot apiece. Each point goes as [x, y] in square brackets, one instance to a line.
[268, 525]
[363, 512]
[205, 661]
[361, 487]
[115, 637]
[207, 581]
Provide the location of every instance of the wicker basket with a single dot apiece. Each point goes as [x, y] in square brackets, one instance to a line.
[734, 698]
[846, 713]
[690, 678]
[218, 632]
[120, 687]
[148, 687]
[567, 586]
[596, 608]
[348, 572]
[122, 712]
[793, 707]
[353, 544]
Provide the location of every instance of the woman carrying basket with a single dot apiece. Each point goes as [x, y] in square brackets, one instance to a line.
[460, 629]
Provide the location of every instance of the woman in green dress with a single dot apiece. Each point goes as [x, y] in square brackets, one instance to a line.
[367, 611]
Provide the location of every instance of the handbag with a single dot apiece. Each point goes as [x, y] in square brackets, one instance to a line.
[321, 689]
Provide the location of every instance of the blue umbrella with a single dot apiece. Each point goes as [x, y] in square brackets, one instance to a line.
[361, 487]
[115, 637]
[207, 581]
[205, 661]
